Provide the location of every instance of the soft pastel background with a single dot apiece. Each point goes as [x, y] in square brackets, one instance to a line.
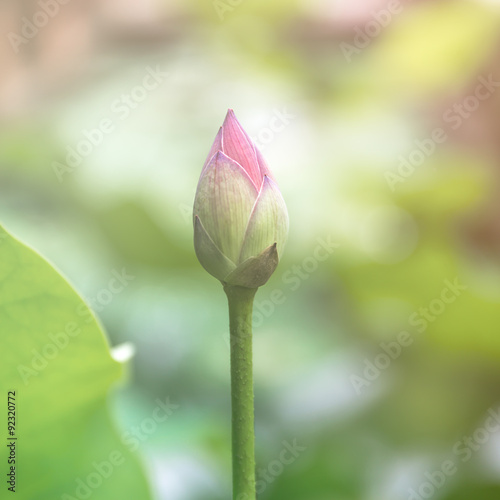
[331, 129]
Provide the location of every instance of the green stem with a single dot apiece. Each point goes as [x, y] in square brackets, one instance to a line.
[243, 434]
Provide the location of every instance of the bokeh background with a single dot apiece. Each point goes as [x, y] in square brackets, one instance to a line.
[334, 113]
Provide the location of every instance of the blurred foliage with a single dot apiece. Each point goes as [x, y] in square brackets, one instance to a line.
[127, 205]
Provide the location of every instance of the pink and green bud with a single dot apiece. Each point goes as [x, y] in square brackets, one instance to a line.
[240, 217]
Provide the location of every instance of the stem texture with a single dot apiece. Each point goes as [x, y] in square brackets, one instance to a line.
[242, 400]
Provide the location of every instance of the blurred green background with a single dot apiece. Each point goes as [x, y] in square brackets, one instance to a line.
[98, 167]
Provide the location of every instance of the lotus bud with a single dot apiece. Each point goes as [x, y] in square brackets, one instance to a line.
[240, 217]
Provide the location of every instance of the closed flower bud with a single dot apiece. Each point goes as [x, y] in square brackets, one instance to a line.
[240, 217]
